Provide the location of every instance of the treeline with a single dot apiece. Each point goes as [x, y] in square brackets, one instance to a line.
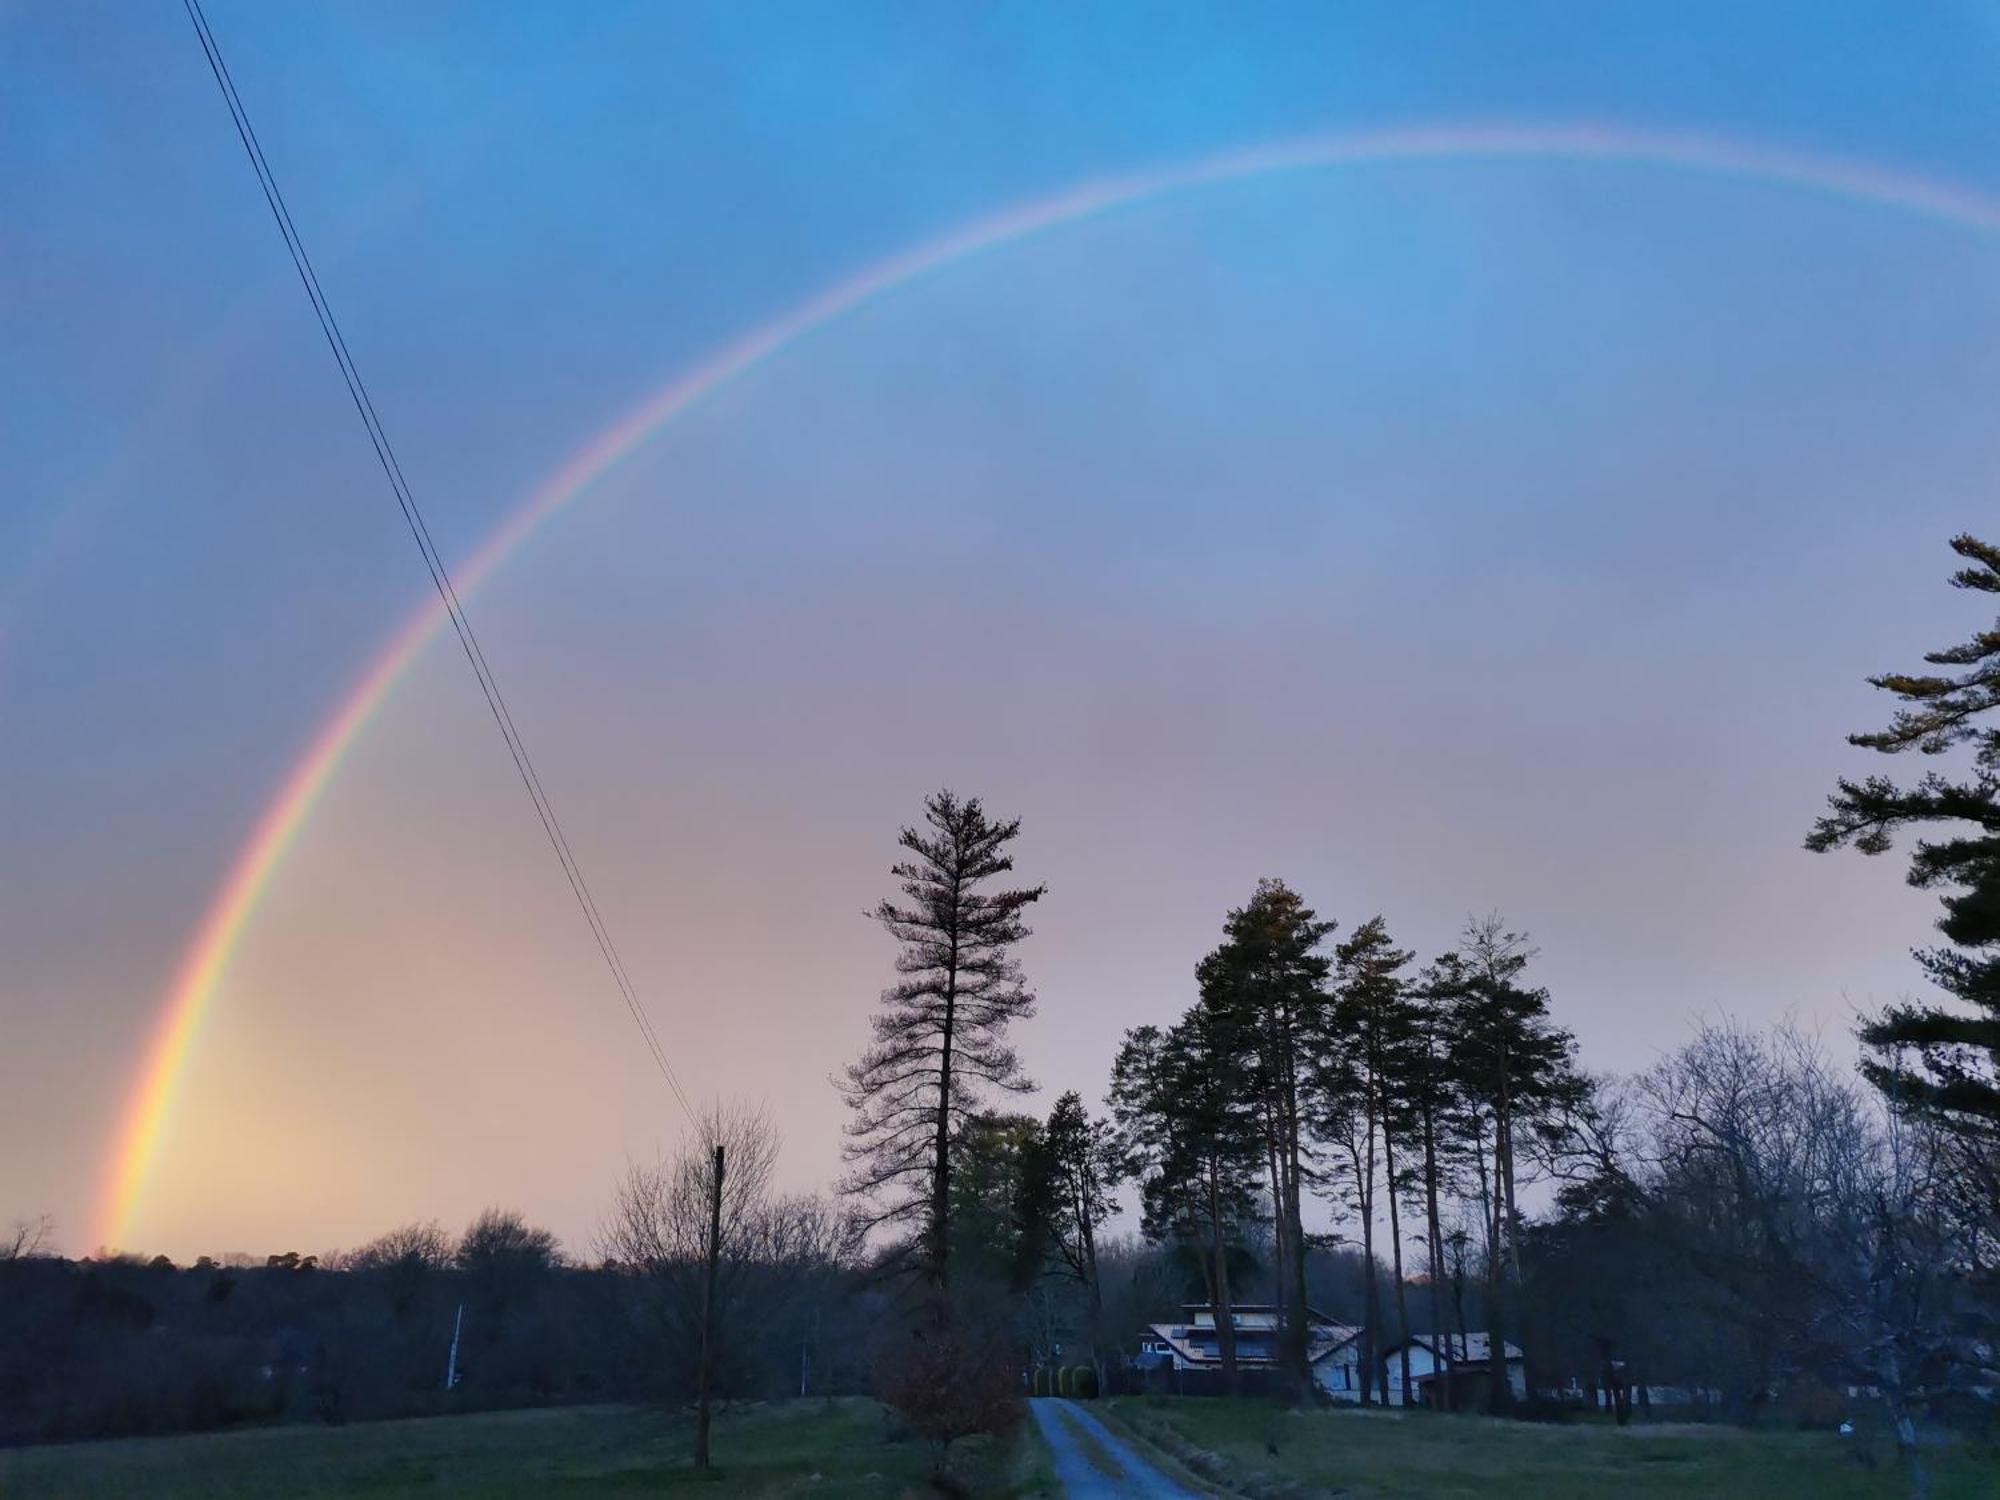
[1394, 1099]
[1744, 1227]
[1748, 1221]
[102, 1348]
[1307, 1074]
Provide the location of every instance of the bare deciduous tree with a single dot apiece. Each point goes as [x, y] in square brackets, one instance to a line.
[422, 1244]
[660, 1219]
[773, 1251]
[27, 1238]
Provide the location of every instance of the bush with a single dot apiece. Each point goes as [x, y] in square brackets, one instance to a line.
[1083, 1383]
[948, 1383]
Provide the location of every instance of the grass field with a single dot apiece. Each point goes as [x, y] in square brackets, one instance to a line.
[1420, 1456]
[844, 1453]
[599, 1452]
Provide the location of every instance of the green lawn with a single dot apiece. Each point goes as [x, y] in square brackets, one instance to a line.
[1421, 1456]
[596, 1452]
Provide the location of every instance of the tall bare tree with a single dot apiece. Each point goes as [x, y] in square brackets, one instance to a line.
[772, 1252]
[659, 1221]
[941, 1035]
[1763, 1161]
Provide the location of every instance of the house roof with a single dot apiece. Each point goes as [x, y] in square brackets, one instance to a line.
[1341, 1335]
[1248, 1314]
[1323, 1336]
[1467, 1348]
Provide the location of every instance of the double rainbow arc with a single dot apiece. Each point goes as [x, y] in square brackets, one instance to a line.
[148, 1107]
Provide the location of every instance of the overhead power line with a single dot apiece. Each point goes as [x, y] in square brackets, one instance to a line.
[413, 518]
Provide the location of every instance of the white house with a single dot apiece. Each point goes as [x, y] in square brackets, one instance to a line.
[1464, 1363]
[1338, 1368]
[1335, 1351]
[1193, 1342]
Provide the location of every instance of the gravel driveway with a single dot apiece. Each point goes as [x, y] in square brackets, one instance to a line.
[1060, 1420]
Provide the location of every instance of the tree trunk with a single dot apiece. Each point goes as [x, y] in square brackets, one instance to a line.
[1299, 1340]
[1371, 1315]
[1096, 1312]
[1499, 1395]
[1513, 1212]
[1273, 1152]
[1396, 1261]
[1617, 1394]
[1440, 1339]
[701, 1400]
[940, 1225]
[1295, 1348]
[1281, 1142]
[1223, 1310]
[1507, 1225]
[1089, 1238]
[1464, 1337]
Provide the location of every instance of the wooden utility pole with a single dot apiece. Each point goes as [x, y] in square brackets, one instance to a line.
[708, 1314]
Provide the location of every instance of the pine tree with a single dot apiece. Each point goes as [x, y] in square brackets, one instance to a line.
[940, 1038]
[1942, 1062]
[1001, 1184]
[1379, 1020]
[1083, 1166]
[1515, 1067]
[1188, 1135]
[1267, 981]
[1438, 1111]
[1082, 1156]
[1362, 1084]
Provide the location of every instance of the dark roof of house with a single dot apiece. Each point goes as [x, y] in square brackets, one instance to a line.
[1324, 1335]
[1468, 1348]
[1313, 1314]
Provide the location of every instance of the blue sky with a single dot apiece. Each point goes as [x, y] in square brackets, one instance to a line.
[1441, 536]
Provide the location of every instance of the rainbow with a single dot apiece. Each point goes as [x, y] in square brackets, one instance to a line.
[148, 1107]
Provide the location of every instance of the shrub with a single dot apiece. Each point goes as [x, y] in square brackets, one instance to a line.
[1083, 1383]
[948, 1383]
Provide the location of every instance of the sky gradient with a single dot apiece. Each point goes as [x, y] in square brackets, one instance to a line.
[1441, 535]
